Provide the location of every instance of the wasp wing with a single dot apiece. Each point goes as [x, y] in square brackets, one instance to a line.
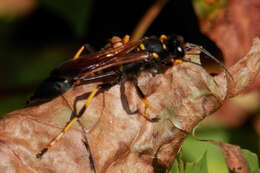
[74, 68]
[111, 64]
[63, 77]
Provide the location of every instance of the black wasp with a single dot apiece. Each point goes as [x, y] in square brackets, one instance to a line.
[121, 60]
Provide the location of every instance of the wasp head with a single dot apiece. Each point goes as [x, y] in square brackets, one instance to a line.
[174, 45]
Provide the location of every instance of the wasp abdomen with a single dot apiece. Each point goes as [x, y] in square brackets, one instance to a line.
[50, 88]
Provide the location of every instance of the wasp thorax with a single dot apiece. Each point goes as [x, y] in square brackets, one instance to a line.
[153, 45]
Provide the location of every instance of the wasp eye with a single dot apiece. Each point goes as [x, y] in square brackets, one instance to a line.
[174, 44]
[180, 52]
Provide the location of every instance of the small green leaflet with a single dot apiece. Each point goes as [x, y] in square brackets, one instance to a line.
[190, 167]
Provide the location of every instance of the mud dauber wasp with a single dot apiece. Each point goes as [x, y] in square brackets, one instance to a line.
[121, 60]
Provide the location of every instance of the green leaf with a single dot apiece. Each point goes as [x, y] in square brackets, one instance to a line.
[204, 8]
[257, 171]
[75, 12]
[198, 167]
[193, 149]
[190, 167]
[174, 168]
[252, 161]
[178, 165]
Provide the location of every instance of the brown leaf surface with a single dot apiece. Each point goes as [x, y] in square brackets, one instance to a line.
[181, 97]
[233, 27]
[234, 157]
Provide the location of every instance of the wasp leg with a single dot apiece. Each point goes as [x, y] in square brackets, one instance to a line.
[68, 125]
[124, 100]
[85, 141]
[78, 53]
[84, 47]
[76, 117]
[177, 61]
[144, 100]
[92, 165]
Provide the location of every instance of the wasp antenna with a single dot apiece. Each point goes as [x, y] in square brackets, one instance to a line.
[184, 60]
[191, 45]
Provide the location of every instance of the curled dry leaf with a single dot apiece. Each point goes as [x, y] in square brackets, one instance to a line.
[181, 97]
[232, 27]
[247, 75]
[234, 157]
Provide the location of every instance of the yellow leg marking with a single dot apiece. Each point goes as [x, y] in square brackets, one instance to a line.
[54, 140]
[177, 61]
[76, 56]
[147, 105]
[155, 55]
[93, 93]
[126, 39]
[70, 123]
[66, 128]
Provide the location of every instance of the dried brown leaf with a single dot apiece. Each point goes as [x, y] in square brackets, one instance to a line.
[233, 27]
[181, 97]
[234, 157]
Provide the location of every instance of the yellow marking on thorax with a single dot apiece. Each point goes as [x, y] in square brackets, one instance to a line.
[142, 47]
[126, 39]
[163, 37]
[164, 46]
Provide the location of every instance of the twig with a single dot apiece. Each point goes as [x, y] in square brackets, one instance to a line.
[147, 19]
